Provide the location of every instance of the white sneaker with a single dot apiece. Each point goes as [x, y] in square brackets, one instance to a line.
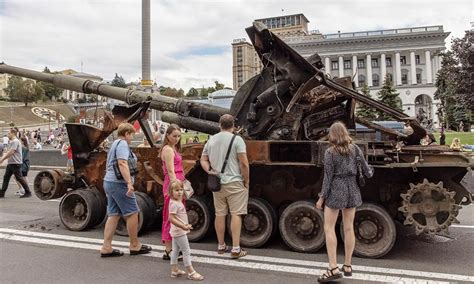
[20, 192]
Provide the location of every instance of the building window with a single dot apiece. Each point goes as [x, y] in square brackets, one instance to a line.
[404, 79]
[403, 60]
[388, 61]
[375, 62]
[347, 64]
[334, 65]
[417, 59]
[360, 63]
[361, 80]
[375, 80]
[418, 78]
[389, 77]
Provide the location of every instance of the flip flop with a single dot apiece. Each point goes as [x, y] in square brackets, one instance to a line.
[115, 252]
[143, 250]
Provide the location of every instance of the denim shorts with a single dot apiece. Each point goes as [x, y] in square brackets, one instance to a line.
[118, 203]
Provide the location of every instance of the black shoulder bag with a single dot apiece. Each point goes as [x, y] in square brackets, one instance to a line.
[214, 180]
[132, 164]
[360, 174]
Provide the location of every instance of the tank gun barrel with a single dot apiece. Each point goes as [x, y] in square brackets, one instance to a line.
[183, 108]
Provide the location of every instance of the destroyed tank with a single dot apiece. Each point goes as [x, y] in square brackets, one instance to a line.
[283, 114]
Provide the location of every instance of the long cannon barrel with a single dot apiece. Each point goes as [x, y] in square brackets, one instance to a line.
[188, 109]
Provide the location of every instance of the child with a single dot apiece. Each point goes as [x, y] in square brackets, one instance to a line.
[179, 229]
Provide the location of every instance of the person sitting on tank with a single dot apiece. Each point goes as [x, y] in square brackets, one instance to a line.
[456, 144]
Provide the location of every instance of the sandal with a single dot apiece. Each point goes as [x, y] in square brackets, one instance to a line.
[113, 253]
[166, 255]
[144, 249]
[195, 276]
[224, 250]
[236, 255]
[177, 273]
[348, 271]
[329, 275]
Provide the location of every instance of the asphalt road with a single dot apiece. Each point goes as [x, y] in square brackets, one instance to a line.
[36, 248]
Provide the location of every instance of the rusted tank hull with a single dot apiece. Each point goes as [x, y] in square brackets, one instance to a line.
[286, 177]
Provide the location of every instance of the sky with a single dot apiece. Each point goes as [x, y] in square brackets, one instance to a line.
[190, 39]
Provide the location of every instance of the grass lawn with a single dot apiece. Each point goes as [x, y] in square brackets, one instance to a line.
[466, 137]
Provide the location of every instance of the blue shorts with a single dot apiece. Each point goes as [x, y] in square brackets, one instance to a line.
[118, 203]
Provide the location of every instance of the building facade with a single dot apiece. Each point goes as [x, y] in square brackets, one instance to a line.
[408, 57]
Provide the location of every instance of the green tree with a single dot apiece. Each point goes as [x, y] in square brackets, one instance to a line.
[218, 86]
[446, 82]
[363, 110]
[455, 82]
[192, 93]
[118, 81]
[390, 97]
[26, 91]
[50, 91]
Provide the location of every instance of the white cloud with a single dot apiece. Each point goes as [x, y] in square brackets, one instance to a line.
[106, 34]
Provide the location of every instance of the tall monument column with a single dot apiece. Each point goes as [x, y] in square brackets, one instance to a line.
[146, 50]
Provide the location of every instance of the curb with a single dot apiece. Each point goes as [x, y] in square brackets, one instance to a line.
[39, 168]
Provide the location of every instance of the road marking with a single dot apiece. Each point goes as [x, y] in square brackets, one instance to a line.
[251, 261]
[463, 226]
[221, 262]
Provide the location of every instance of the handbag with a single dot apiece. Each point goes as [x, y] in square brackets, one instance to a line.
[132, 164]
[214, 179]
[360, 174]
[188, 189]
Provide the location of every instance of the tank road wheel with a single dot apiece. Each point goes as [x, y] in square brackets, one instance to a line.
[102, 201]
[48, 185]
[258, 226]
[79, 210]
[374, 229]
[149, 209]
[144, 216]
[198, 216]
[430, 207]
[302, 227]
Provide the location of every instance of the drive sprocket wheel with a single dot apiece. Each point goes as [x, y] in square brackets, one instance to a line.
[429, 207]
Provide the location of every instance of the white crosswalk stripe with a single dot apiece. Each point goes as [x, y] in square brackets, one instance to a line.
[251, 262]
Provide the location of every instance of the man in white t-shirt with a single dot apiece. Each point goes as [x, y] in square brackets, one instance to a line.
[234, 193]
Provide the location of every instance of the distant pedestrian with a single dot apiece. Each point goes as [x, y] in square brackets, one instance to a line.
[180, 227]
[25, 166]
[442, 137]
[37, 146]
[234, 193]
[67, 149]
[15, 160]
[172, 164]
[119, 189]
[340, 192]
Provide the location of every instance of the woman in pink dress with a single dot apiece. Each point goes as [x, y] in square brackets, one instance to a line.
[172, 170]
